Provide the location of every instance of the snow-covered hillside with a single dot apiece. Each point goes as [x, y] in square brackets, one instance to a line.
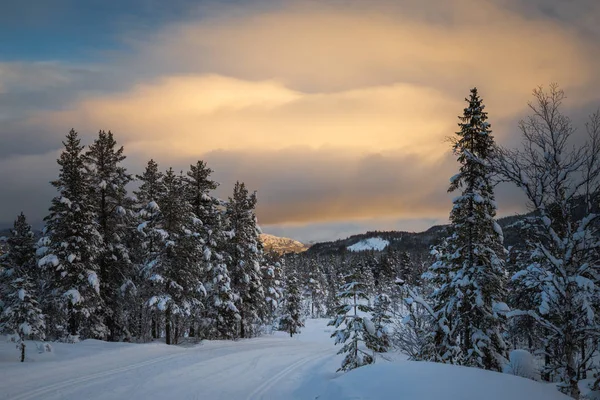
[270, 367]
[281, 245]
[375, 243]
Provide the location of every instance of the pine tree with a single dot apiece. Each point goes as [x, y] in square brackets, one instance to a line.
[175, 275]
[381, 320]
[150, 238]
[291, 319]
[108, 180]
[272, 277]
[73, 247]
[353, 329]
[22, 314]
[405, 268]
[209, 229]
[245, 252]
[470, 267]
[316, 289]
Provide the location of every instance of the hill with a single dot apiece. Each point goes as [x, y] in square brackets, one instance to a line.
[281, 245]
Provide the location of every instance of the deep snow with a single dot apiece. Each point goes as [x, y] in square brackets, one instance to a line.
[270, 367]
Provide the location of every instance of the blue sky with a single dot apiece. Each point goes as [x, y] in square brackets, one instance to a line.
[78, 31]
[336, 112]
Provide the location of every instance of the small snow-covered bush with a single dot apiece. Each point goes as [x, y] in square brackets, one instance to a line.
[522, 364]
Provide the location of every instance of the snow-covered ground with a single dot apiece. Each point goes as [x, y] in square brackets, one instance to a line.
[269, 367]
[375, 243]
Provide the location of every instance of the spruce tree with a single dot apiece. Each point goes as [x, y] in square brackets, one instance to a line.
[352, 329]
[470, 268]
[381, 320]
[73, 247]
[316, 288]
[291, 319]
[149, 240]
[405, 268]
[108, 179]
[209, 230]
[245, 252]
[22, 314]
[175, 275]
[272, 277]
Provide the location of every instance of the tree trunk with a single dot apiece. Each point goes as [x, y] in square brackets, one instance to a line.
[242, 327]
[154, 326]
[168, 325]
[22, 345]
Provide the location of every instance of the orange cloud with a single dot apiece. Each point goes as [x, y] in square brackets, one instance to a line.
[347, 83]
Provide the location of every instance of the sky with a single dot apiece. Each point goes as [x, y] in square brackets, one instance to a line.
[336, 112]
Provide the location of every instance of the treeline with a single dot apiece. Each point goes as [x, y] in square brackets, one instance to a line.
[171, 260]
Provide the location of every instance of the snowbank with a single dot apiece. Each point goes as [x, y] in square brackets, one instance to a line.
[431, 381]
[375, 243]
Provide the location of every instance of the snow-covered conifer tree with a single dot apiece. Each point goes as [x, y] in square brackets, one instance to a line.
[150, 238]
[469, 272]
[352, 328]
[316, 288]
[382, 321]
[22, 314]
[72, 247]
[208, 227]
[245, 252]
[291, 318]
[176, 288]
[108, 179]
[272, 277]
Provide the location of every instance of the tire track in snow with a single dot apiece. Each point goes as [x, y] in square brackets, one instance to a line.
[261, 390]
[48, 390]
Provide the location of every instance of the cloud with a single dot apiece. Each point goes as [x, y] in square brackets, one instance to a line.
[333, 111]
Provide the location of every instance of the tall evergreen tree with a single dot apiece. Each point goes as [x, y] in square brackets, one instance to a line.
[22, 314]
[316, 288]
[272, 277]
[245, 251]
[381, 320]
[73, 247]
[209, 230]
[469, 270]
[291, 319]
[108, 179]
[176, 286]
[149, 240]
[355, 328]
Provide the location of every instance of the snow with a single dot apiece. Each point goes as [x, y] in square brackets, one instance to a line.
[269, 367]
[73, 295]
[25, 328]
[374, 243]
[66, 201]
[431, 381]
[94, 281]
[522, 364]
[49, 259]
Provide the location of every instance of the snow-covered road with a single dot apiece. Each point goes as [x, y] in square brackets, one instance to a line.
[271, 367]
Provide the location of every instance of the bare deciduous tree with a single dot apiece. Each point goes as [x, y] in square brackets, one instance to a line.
[561, 182]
